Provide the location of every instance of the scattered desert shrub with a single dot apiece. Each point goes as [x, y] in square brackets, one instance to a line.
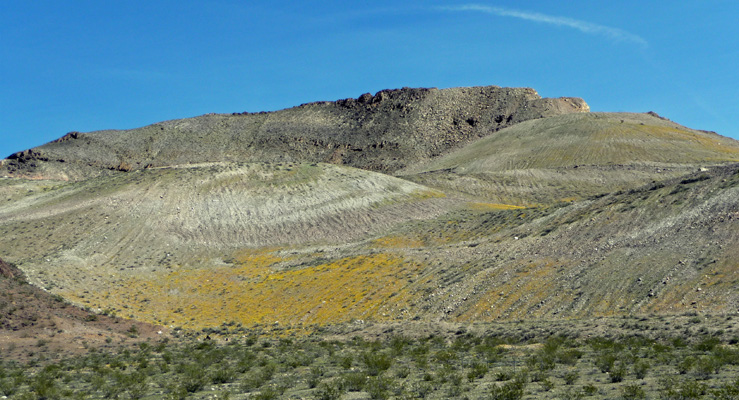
[459, 366]
[512, 390]
[353, 381]
[633, 392]
[570, 377]
[477, 371]
[376, 362]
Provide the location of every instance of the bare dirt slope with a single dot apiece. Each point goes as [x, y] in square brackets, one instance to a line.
[667, 247]
[97, 233]
[384, 132]
[33, 321]
[573, 156]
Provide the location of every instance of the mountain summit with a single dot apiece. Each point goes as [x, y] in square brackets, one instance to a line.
[384, 133]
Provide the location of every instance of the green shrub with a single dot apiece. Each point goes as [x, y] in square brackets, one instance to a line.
[403, 372]
[193, 379]
[244, 362]
[728, 391]
[589, 390]
[329, 391]
[633, 392]
[570, 377]
[640, 369]
[512, 390]
[705, 366]
[378, 387]
[477, 371]
[353, 381]
[617, 373]
[605, 361]
[491, 353]
[546, 384]
[8, 387]
[257, 378]
[542, 361]
[685, 365]
[267, 393]
[133, 331]
[346, 361]
[707, 344]
[135, 385]
[571, 394]
[679, 342]
[314, 376]
[419, 390]
[222, 374]
[376, 362]
[397, 344]
[726, 355]
[503, 375]
[538, 376]
[45, 386]
[686, 390]
[569, 356]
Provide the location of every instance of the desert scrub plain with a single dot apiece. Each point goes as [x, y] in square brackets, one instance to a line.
[688, 356]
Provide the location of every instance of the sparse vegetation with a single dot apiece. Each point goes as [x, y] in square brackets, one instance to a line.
[570, 257]
[254, 364]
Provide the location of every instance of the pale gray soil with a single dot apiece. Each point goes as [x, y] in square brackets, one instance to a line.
[88, 233]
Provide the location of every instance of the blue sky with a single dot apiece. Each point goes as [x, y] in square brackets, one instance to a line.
[91, 65]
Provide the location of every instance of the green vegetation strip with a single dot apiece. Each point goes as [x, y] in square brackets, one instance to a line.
[239, 363]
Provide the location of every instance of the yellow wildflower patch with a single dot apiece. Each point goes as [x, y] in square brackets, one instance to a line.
[492, 206]
[351, 288]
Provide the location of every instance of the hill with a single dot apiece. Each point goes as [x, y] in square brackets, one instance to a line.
[384, 132]
[34, 321]
[258, 219]
[410, 253]
[573, 156]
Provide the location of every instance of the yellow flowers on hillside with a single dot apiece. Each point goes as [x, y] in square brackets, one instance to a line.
[255, 292]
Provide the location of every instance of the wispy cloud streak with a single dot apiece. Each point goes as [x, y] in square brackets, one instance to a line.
[582, 26]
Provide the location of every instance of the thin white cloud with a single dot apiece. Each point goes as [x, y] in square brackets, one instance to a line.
[583, 26]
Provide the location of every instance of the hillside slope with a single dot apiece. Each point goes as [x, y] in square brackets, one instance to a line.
[384, 132]
[32, 320]
[95, 233]
[668, 247]
[494, 213]
[574, 156]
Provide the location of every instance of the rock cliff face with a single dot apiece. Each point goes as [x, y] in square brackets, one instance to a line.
[384, 133]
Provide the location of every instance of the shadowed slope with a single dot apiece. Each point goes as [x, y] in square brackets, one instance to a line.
[574, 156]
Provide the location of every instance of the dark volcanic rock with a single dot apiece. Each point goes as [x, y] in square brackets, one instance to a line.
[6, 271]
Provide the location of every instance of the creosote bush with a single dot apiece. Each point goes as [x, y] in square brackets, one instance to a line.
[460, 365]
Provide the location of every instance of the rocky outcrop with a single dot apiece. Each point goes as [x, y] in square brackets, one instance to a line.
[6, 271]
[383, 132]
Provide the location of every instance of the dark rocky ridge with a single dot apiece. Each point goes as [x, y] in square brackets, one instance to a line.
[384, 133]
